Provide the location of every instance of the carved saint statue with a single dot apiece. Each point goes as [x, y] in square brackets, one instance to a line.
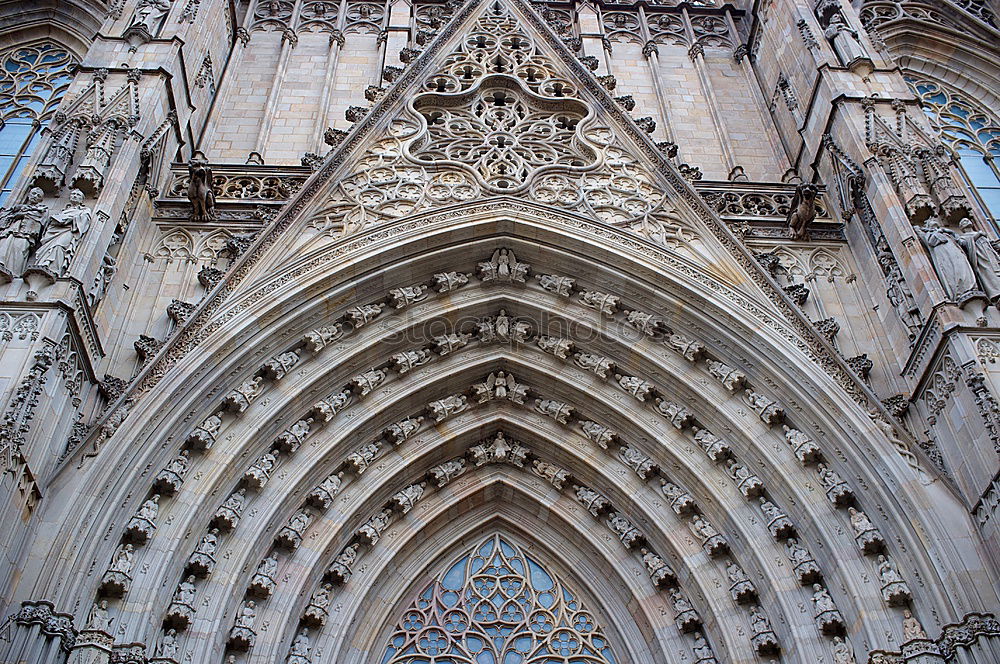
[702, 651]
[842, 652]
[62, 235]
[246, 615]
[168, 645]
[822, 600]
[268, 567]
[98, 617]
[209, 544]
[949, 258]
[299, 651]
[185, 592]
[982, 257]
[149, 14]
[845, 40]
[912, 629]
[20, 229]
[122, 560]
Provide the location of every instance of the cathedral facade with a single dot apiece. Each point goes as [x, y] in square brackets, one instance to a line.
[500, 332]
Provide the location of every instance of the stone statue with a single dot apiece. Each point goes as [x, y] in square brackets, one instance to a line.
[842, 652]
[740, 586]
[362, 457]
[702, 651]
[802, 210]
[635, 386]
[598, 433]
[263, 580]
[912, 629]
[149, 509]
[444, 408]
[185, 591]
[845, 40]
[322, 496]
[340, 569]
[680, 500]
[659, 571]
[20, 229]
[299, 652]
[822, 600]
[316, 611]
[555, 475]
[373, 528]
[168, 645]
[246, 615]
[447, 471]
[122, 560]
[149, 14]
[805, 449]
[982, 257]
[62, 235]
[556, 284]
[948, 257]
[593, 501]
[268, 567]
[594, 363]
[758, 621]
[860, 522]
[894, 590]
[98, 618]
[400, 431]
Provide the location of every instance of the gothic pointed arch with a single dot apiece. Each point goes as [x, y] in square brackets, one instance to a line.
[497, 603]
[495, 386]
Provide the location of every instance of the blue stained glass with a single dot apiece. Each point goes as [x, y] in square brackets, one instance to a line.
[34, 79]
[968, 129]
[492, 612]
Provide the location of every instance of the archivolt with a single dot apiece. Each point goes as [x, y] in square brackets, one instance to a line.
[649, 358]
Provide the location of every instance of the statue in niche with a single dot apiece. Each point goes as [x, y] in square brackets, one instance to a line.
[299, 652]
[20, 229]
[702, 651]
[842, 652]
[122, 560]
[340, 570]
[845, 41]
[98, 619]
[62, 236]
[185, 592]
[982, 257]
[912, 629]
[948, 257]
[168, 645]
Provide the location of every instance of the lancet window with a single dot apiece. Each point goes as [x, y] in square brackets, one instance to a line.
[970, 131]
[35, 77]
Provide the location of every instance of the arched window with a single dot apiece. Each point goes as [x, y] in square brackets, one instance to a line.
[971, 131]
[35, 77]
[496, 605]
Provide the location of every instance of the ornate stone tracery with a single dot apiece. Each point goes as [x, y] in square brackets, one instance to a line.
[661, 421]
[498, 604]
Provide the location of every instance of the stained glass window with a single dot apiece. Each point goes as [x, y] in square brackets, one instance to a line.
[971, 131]
[35, 77]
[497, 605]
